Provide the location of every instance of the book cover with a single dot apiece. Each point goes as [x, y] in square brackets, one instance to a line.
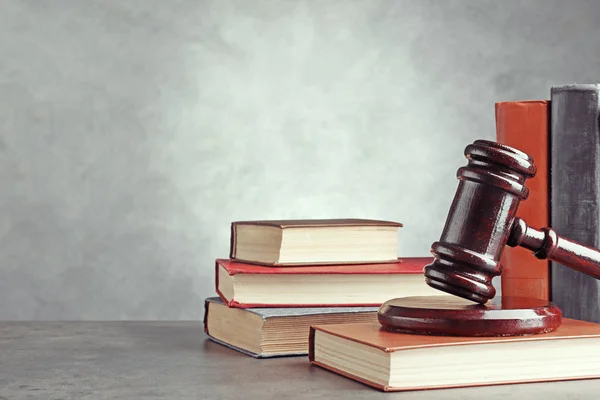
[276, 312]
[575, 192]
[403, 265]
[307, 223]
[524, 125]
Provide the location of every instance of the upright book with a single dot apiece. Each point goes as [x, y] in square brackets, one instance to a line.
[575, 192]
[401, 362]
[273, 332]
[524, 125]
[244, 285]
[314, 241]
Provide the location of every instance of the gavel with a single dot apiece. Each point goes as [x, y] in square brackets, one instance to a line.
[482, 221]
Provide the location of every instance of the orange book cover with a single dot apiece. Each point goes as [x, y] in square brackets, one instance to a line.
[373, 336]
[524, 126]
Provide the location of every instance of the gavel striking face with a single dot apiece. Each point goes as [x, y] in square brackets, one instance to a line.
[482, 221]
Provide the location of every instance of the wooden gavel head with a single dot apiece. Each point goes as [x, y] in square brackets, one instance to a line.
[491, 186]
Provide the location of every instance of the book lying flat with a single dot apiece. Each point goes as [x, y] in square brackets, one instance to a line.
[273, 332]
[393, 361]
[246, 285]
[314, 241]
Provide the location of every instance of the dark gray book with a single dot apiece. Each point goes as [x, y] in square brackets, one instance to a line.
[273, 332]
[575, 192]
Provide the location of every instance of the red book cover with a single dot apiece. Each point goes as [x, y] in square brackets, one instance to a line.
[404, 266]
[524, 126]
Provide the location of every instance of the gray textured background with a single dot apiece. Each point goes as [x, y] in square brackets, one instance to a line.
[134, 132]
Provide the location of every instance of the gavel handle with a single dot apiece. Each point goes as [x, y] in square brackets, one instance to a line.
[546, 244]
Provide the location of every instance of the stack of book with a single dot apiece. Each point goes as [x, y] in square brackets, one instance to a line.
[562, 135]
[283, 276]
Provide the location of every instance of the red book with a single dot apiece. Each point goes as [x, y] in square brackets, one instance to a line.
[244, 285]
[524, 126]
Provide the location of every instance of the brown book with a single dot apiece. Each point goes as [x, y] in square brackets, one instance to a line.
[314, 241]
[401, 362]
[524, 126]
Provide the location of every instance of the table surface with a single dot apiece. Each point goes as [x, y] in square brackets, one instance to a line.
[174, 360]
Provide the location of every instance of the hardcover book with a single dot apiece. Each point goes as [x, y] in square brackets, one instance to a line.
[244, 285]
[314, 241]
[524, 125]
[575, 192]
[273, 332]
[402, 362]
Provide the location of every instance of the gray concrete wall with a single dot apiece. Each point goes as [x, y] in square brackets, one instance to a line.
[133, 132]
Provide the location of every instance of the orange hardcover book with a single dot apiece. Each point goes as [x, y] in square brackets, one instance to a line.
[392, 361]
[524, 126]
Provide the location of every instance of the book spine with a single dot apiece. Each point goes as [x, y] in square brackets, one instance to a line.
[575, 194]
[228, 302]
[311, 344]
[232, 240]
[524, 125]
[205, 319]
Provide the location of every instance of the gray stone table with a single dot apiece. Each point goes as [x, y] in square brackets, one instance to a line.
[174, 360]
